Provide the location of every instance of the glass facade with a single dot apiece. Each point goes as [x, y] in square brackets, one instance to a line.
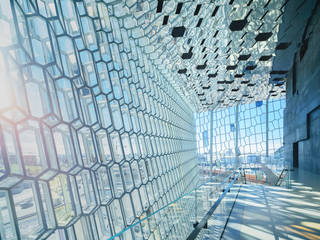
[248, 133]
[92, 136]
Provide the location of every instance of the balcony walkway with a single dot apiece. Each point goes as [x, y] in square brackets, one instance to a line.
[266, 212]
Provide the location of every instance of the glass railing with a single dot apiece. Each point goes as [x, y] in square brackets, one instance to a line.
[179, 218]
[216, 223]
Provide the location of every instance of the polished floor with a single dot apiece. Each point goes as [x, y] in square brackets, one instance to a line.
[267, 212]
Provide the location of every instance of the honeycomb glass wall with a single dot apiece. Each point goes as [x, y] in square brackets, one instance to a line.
[92, 136]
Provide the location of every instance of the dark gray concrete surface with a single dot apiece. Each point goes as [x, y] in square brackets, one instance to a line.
[302, 114]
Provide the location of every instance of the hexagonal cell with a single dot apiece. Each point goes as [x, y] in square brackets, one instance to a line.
[103, 183]
[7, 96]
[87, 147]
[70, 17]
[126, 91]
[86, 191]
[7, 230]
[148, 146]
[158, 161]
[40, 40]
[7, 23]
[53, 116]
[88, 68]
[47, 207]
[141, 99]
[13, 103]
[143, 171]
[144, 197]
[150, 193]
[135, 146]
[23, 30]
[11, 147]
[142, 145]
[105, 84]
[137, 202]
[115, 81]
[115, 54]
[104, 16]
[154, 167]
[51, 154]
[135, 173]
[39, 88]
[62, 199]
[127, 176]
[155, 187]
[104, 112]
[64, 147]
[32, 147]
[134, 94]
[125, 139]
[103, 223]
[116, 115]
[89, 33]
[103, 147]
[82, 229]
[87, 106]
[116, 180]
[128, 209]
[117, 218]
[27, 207]
[68, 57]
[149, 169]
[66, 99]
[134, 120]
[116, 147]
[147, 122]
[47, 8]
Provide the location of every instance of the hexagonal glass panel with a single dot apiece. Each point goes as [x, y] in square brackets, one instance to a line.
[86, 191]
[64, 147]
[103, 182]
[63, 204]
[27, 207]
[32, 147]
[6, 219]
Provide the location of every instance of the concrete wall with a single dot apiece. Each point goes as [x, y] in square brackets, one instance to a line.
[302, 115]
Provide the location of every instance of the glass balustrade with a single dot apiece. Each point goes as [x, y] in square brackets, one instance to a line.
[177, 219]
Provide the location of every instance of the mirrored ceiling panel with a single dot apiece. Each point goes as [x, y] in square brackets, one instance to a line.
[216, 53]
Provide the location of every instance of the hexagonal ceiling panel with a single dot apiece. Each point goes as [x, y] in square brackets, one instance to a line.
[216, 53]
